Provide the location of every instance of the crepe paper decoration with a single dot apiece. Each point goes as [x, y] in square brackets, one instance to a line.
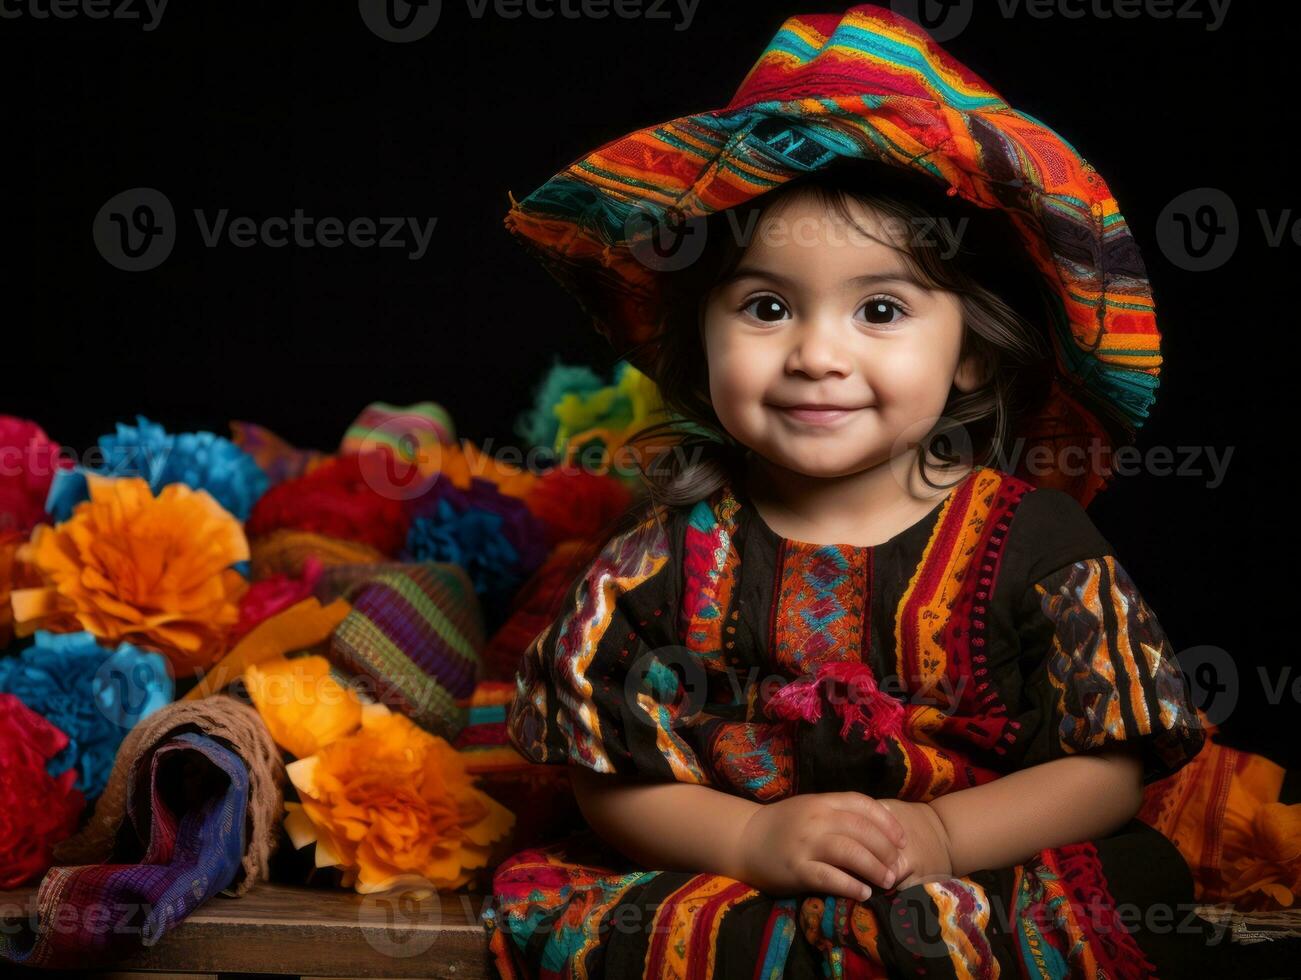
[92, 694]
[305, 708]
[15, 573]
[463, 461]
[539, 426]
[494, 537]
[337, 499]
[300, 627]
[154, 571]
[393, 806]
[274, 594]
[576, 503]
[631, 403]
[40, 810]
[202, 460]
[29, 460]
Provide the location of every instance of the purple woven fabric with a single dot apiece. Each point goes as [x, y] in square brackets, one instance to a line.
[188, 808]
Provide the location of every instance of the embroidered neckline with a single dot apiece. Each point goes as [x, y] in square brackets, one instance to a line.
[730, 503]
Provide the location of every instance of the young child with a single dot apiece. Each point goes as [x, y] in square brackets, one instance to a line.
[844, 697]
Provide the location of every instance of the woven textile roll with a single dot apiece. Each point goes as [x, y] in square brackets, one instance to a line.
[416, 633]
[182, 843]
[239, 726]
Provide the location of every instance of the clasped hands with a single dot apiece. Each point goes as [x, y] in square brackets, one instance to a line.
[846, 844]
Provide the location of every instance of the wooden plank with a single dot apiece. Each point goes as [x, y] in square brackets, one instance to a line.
[294, 930]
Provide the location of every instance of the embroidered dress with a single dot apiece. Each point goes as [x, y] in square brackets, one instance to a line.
[1000, 632]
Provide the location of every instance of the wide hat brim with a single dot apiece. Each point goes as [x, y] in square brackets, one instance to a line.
[871, 84]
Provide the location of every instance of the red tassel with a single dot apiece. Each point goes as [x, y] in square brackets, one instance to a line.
[863, 702]
[798, 699]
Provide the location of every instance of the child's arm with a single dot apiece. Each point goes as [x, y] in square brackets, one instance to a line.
[825, 842]
[1012, 818]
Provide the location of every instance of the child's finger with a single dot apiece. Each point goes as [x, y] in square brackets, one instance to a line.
[853, 856]
[873, 810]
[867, 833]
[822, 877]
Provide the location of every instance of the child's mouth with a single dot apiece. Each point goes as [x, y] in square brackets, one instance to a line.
[818, 416]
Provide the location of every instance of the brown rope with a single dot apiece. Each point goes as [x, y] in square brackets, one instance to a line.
[219, 716]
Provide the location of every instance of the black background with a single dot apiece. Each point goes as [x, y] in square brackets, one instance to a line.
[261, 108]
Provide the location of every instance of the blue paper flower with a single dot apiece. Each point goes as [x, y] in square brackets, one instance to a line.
[201, 460]
[93, 694]
[493, 536]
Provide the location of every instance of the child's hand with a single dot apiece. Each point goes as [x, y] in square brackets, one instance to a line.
[821, 842]
[926, 854]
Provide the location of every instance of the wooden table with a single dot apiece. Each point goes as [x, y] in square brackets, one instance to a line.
[284, 930]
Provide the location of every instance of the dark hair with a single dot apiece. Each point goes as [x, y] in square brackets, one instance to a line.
[971, 251]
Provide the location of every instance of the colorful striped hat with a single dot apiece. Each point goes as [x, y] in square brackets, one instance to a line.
[416, 632]
[871, 84]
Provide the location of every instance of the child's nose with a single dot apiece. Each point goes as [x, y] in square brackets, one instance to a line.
[818, 347]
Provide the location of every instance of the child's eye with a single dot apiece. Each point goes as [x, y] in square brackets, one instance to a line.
[767, 309]
[878, 310]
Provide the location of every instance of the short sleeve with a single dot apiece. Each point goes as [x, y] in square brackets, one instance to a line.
[598, 686]
[1095, 669]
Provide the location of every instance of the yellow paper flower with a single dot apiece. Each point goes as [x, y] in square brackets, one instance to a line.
[393, 805]
[304, 707]
[154, 571]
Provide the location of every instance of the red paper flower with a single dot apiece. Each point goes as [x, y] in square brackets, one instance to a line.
[573, 503]
[28, 460]
[275, 594]
[336, 500]
[36, 810]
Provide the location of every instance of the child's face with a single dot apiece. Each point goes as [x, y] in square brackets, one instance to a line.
[798, 323]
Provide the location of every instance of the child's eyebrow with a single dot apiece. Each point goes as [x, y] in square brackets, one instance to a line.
[904, 276]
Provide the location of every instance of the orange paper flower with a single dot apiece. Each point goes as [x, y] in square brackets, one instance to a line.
[304, 708]
[392, 805]
[154, 571]
[461, 462]
[14, 574]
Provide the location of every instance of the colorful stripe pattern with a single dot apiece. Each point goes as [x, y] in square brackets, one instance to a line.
[415, 633]
[405, 430]
[1112, 672]
[871, 85]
